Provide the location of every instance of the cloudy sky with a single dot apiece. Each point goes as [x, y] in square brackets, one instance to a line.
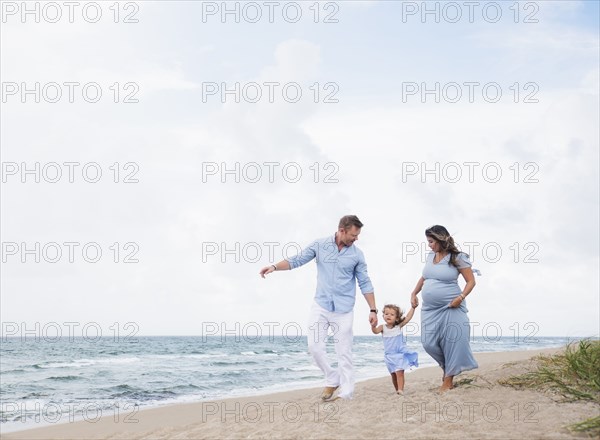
[226, 139]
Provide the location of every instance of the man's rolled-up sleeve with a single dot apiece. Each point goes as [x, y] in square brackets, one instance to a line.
[305, 255]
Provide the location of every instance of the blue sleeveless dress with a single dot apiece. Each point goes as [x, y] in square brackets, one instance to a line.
[445, 331]
[396, 355]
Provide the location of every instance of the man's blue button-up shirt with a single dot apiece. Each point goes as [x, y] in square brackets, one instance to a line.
[337, 273]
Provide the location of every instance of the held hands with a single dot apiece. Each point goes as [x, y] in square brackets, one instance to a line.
[373, 319]
[414, 301]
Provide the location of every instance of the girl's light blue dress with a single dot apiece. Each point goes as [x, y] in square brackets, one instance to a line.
[396, 355]
[445, 331]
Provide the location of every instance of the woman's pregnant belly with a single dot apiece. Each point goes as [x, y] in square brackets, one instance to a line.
[437, 294]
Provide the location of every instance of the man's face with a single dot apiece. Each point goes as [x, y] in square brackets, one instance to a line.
[349, 236]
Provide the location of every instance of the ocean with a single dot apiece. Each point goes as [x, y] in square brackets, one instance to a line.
[44, 382]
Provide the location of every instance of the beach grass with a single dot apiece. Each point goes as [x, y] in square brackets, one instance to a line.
[574, 375]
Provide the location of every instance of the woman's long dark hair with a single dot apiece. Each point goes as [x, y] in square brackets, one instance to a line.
[443, 237]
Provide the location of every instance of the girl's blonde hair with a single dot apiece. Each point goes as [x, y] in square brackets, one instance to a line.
[399, 317]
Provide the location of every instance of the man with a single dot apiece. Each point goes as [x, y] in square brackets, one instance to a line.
[339, 265]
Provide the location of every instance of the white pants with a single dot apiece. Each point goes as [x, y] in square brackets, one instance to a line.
[320, 320]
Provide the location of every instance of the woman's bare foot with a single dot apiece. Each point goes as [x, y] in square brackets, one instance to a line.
[447, 384]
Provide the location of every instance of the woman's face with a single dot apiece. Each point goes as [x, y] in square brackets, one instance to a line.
[433, 244]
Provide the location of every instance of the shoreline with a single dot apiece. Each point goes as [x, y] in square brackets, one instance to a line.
[477, 408]
[70, 418]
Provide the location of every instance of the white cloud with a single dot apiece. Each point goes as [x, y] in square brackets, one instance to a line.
[171, 213]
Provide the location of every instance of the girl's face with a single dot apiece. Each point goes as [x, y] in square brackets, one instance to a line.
[389, 316]
[434, 245]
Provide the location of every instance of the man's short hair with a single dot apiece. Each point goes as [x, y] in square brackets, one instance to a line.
[348, 221]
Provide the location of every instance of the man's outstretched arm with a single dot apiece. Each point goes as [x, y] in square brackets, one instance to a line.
[305, 255]
[282, 265]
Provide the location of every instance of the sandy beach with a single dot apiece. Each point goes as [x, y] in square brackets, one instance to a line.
[477, 408]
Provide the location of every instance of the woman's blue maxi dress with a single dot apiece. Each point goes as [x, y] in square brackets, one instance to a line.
[445, 331]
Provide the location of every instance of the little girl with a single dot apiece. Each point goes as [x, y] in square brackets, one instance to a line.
[397, 357]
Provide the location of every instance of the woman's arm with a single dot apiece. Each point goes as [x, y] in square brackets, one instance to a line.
[467, 274]
[414, 301]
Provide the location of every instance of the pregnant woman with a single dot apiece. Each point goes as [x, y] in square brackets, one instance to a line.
[445, 329]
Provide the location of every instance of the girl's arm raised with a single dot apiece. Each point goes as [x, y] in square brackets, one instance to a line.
[377, 329]
[408, 317]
